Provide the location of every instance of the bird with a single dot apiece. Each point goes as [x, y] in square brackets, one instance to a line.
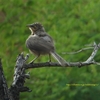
[40, 42]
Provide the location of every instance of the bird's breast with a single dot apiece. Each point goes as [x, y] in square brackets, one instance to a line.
[39, 45]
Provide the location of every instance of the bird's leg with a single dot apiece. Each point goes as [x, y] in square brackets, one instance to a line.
[34, 59]
[49, 57]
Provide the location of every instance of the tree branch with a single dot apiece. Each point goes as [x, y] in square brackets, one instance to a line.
[19, 78]
[89, 61]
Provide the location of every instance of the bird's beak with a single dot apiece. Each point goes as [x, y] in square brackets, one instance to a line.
[30, 25]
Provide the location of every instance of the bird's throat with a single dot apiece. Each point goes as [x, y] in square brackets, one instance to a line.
[32, 32]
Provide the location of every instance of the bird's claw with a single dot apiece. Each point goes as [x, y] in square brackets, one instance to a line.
[31, 62]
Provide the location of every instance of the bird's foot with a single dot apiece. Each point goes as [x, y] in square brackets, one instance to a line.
[31, 62]
[49, 61]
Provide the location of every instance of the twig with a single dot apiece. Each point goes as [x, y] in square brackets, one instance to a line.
[91, 58]
[90, 46]
[83, 49]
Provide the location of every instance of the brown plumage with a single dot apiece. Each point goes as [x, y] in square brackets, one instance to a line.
[40, 43]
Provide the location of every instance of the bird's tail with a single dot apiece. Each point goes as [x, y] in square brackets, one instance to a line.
[60, 60]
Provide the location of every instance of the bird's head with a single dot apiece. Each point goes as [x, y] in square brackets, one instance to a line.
[35, 27]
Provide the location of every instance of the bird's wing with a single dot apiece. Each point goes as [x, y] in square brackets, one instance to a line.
[40, 44]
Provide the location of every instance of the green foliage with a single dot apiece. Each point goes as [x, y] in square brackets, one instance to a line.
[72, 24]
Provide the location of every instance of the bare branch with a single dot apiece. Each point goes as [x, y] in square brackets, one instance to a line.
[91, 58]
[19, 77]
[83, 49]
[89, 61]
[90, 46]
[47, 64]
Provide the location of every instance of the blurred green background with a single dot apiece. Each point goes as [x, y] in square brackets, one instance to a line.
[72, 24]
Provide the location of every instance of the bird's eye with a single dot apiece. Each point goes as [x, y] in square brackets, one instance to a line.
[35, 27]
